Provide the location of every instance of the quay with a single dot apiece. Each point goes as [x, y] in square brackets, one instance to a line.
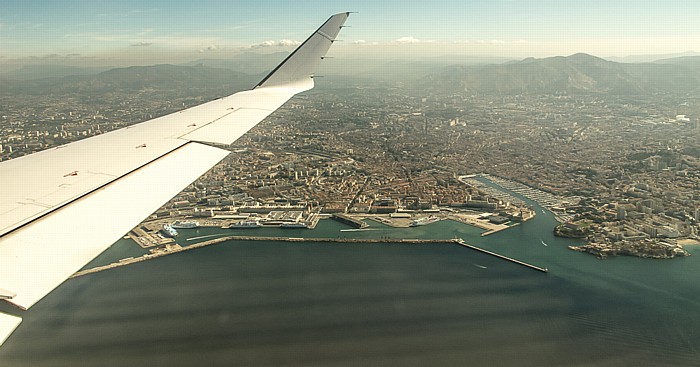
[175, 248]
[493, 231]
[473, 220]
[342, 218]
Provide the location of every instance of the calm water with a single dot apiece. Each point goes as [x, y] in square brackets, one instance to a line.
[281, 304]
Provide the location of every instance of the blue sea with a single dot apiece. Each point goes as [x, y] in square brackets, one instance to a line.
[313, 304]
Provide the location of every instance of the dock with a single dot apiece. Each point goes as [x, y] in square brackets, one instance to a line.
[490, 228]
[494, 231]
[350, 221]
[175, 248]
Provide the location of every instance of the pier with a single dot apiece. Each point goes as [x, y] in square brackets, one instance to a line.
[173, 249]
[494, 231]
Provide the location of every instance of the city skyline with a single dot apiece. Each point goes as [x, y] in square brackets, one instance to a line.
[135, 32]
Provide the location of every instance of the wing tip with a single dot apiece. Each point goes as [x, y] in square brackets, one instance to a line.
[281, 76]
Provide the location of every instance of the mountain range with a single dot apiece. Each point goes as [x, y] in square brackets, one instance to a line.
[137, 78]
[575, 74]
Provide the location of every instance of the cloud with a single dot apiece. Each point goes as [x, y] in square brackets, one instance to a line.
[281, 43]
[407, 40]
[365, 43]
[289, 43]
[141, 44]
[492, 42]
[209, 48]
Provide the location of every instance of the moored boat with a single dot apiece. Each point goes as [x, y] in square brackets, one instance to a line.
[246, 224]
[178, 224]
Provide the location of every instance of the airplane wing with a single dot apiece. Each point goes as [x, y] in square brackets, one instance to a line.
[61, 207]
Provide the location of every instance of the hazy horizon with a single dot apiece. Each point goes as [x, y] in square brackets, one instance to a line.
[131, 33]
[340, 65]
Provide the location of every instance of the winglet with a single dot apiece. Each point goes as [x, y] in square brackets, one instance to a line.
[298, 68]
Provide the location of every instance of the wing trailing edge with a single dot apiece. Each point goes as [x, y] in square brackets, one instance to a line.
[41, 255]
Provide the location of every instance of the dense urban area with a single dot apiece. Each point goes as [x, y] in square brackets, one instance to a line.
[620, 171]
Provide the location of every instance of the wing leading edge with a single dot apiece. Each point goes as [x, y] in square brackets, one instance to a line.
[62, 207]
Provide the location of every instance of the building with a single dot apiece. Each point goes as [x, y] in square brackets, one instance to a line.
[498, 219]
[621, 213]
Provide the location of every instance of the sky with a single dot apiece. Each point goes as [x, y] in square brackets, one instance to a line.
[177, 30]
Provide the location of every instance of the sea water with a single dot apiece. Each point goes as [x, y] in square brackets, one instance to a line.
[333, 304]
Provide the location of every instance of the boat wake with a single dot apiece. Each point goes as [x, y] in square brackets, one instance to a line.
[480, 266]
[544, 243]
[358, 229]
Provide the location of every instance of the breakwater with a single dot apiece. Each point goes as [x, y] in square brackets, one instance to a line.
[173, 249]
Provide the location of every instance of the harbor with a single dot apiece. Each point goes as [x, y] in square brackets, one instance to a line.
[174, 248]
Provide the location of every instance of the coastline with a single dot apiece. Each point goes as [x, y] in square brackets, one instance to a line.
[688, 242]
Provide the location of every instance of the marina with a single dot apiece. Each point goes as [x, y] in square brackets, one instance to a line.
[546, 199]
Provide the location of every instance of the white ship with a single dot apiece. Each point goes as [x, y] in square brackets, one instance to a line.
[169, 231]
[184, 224]
[424, 221]
[246, 224]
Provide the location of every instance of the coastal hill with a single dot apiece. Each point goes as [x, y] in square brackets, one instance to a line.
[247, 62]
[575, 74]
[137, 78]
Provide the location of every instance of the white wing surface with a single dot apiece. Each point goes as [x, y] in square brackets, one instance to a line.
[62, 207]
[8, 324]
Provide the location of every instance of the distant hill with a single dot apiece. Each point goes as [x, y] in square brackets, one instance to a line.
[636, 59]
[575, 74]
[35, 72]
[687, 61]
[138, 78]
[247, 62]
